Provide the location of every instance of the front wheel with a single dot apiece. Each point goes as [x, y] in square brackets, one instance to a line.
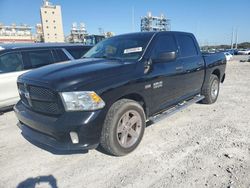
[211, 90]
[123, 128]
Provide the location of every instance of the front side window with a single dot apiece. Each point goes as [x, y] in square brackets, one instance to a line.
[11, 62]
[165, 43]
[126, 47]
[187, 46]
[40, 58]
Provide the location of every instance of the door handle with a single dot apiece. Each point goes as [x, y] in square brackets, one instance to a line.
[180, 68]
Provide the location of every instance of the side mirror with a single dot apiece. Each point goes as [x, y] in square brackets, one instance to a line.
[165, 57]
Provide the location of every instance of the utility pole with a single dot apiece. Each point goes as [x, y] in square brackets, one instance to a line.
[232, 39]
[133, 19]
[236, 39]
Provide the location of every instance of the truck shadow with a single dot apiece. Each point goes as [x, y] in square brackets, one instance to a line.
[6, 110]
[42, 181]
[149, 123]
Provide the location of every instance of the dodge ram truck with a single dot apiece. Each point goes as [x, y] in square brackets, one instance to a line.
[106, 97]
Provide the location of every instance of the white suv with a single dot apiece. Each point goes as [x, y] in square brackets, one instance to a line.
[15, 59]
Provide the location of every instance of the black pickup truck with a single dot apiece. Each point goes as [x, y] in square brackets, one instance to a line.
[108, 96]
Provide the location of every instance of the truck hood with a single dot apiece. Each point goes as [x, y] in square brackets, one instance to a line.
[72, 74]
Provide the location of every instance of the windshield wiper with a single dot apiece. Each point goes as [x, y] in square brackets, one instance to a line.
[109, 57]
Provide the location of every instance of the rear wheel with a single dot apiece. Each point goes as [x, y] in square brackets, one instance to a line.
[123, 128]
[211, 90]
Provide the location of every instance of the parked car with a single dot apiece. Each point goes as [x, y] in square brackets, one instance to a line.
[232, 51]
[244, 52]
[15, 59]
[228, 56]
[107, 97]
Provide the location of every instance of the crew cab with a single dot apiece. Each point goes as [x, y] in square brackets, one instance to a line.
[107, 97]
[16, 59]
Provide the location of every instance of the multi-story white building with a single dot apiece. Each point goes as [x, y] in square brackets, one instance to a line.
[51, 19]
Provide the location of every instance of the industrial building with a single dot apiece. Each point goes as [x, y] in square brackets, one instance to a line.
[155, 23]
[15, 33]
[39, 33]
[77, 33]
[52, 26]
[49, 30]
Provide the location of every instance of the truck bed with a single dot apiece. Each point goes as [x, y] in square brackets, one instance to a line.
[213, 58]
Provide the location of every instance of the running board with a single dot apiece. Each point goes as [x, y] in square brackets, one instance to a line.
[176, 108]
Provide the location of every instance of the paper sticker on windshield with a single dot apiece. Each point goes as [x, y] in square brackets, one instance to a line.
[132, 50]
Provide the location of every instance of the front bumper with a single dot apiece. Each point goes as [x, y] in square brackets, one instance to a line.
[54, 131]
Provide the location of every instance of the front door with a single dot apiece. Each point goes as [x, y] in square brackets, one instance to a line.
[165, 77]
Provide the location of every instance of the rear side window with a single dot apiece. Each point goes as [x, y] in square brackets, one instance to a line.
[77, 52]
[40, 58]
[61, 56]
[187, 46]
[11, 62]
[165, 43]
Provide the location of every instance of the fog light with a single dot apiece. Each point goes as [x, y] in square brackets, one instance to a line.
[74, 137]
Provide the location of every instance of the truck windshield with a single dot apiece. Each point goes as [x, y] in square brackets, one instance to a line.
[126, 47]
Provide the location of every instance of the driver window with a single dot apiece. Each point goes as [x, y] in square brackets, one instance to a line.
[11, 62]
[165, 43]
[110, 50]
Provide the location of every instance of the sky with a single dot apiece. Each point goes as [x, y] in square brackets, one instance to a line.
[212, 21]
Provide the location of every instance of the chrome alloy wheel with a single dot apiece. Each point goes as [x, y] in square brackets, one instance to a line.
[129, 128]
[215, 89]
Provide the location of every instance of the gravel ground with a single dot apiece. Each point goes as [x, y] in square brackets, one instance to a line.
[201, 146]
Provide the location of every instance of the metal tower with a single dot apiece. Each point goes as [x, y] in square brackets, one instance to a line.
[155, 23]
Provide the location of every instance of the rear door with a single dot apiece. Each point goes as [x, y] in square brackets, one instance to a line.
[38, 58]
[192, 63]
[11, 66]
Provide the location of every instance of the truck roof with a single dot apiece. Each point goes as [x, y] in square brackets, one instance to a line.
[154, 32]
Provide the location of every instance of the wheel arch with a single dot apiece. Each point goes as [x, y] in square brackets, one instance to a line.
[217, 73]
[138, 98]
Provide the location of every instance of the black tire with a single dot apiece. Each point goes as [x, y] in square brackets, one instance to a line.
[110, 138]
[207, 90]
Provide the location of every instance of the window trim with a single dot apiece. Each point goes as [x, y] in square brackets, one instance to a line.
[58, 56]
[67, 54]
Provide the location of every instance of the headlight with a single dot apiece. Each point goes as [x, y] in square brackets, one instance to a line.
[82, 100]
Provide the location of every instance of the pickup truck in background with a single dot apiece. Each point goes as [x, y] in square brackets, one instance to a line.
[122, 82]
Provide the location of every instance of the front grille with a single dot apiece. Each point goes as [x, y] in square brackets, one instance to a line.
[46, 106]
[40, 99]
[41, 93]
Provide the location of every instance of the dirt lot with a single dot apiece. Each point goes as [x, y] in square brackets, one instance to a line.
[202, 146]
